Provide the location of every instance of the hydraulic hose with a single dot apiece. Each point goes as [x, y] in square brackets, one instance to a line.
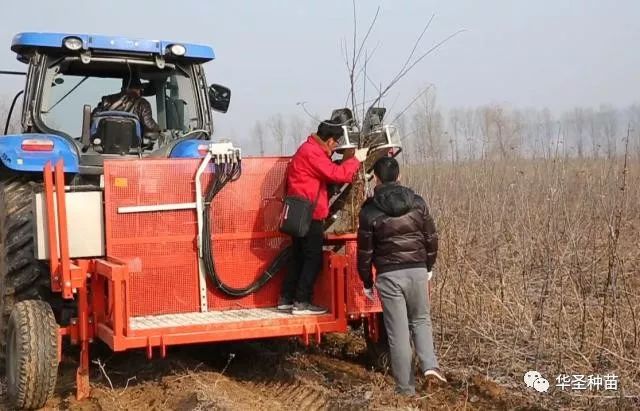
[223, 174]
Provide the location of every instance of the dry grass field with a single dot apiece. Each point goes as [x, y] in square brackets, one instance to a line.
[539, 270]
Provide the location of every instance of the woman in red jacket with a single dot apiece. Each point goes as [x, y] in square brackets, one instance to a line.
[309, 172]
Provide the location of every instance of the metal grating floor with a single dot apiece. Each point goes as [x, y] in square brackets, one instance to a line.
[211, 317]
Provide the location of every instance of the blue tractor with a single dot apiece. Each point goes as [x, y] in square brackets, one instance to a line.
[67, 77]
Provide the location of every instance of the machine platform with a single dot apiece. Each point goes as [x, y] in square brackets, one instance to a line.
[264, 315]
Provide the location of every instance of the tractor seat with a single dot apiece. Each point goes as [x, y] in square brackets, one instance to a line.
[115, 132]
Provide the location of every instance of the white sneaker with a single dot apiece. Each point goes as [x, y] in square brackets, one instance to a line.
[435, 373]
[284, 304]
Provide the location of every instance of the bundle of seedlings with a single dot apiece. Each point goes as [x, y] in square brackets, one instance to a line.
[365, 124]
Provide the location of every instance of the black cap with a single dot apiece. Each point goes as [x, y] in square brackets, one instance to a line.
[131, 81]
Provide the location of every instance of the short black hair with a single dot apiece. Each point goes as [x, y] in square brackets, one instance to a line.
[387, 169]
[330, 129]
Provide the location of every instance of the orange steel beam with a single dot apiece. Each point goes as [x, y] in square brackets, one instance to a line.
[52, 237]
[65, 263]
[341, 237]
[165, 337]
[66, 276]
[82, 372]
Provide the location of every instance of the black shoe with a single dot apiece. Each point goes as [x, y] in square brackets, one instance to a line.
[285, 304]
[307, 309]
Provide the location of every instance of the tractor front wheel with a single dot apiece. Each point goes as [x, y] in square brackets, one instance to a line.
[32, 354]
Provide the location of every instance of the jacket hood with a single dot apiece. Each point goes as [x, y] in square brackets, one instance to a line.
[393, 199]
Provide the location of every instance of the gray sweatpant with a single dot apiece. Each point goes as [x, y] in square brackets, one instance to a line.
[406, 313]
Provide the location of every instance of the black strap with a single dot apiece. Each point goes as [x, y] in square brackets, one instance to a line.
[317, 197]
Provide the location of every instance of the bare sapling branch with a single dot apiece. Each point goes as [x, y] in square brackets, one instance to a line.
[406, 70]
[352, 68]
[411, 103]
[355, 57]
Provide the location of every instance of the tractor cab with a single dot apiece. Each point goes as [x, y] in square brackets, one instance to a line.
[69, 76]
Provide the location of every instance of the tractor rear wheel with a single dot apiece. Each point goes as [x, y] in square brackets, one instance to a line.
[22, 276]
[32, 354]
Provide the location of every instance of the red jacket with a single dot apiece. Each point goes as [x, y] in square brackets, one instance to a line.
[311, 169]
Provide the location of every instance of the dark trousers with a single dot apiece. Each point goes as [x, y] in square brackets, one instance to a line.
[306, 263]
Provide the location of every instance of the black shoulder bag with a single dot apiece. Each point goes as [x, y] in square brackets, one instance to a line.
[297, 214]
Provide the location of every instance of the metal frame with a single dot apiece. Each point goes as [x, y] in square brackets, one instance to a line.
[68, 276]
[198, 206]
[202, 279]
[347, 142]
[13, 72]
[115, 330]
[36, 78]
[389, 144]
[159, 207]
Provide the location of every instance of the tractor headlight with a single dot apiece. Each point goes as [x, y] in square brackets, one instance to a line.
[72, 43]
[177, 49]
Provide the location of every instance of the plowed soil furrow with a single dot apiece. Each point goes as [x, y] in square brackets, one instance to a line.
[296, 394]
[260, 376]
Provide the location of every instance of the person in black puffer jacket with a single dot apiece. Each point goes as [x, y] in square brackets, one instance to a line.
[398, 237]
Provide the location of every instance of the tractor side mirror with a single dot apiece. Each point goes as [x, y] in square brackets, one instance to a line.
[219, 97]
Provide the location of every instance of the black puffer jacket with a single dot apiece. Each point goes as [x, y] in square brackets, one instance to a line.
[396, 232]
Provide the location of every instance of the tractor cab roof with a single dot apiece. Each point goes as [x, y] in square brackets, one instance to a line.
[74, 44]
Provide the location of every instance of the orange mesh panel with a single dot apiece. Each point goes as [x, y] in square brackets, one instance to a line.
[161, 246]
[245, 232]
[356, 301]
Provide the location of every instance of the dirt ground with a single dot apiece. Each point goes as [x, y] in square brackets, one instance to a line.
[266, 375]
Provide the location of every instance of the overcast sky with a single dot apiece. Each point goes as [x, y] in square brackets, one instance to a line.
[272, 54]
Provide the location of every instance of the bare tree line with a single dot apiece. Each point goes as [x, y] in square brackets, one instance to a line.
[430, 132]
[279, 134]
[499, 132]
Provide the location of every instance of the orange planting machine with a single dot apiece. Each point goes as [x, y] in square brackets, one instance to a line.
[150, 290]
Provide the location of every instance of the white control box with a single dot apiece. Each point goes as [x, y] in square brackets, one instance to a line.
[85, 224]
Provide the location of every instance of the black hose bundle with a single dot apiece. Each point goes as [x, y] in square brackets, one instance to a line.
[224, 173]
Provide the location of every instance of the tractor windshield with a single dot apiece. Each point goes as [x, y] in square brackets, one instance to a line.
[70, 84]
